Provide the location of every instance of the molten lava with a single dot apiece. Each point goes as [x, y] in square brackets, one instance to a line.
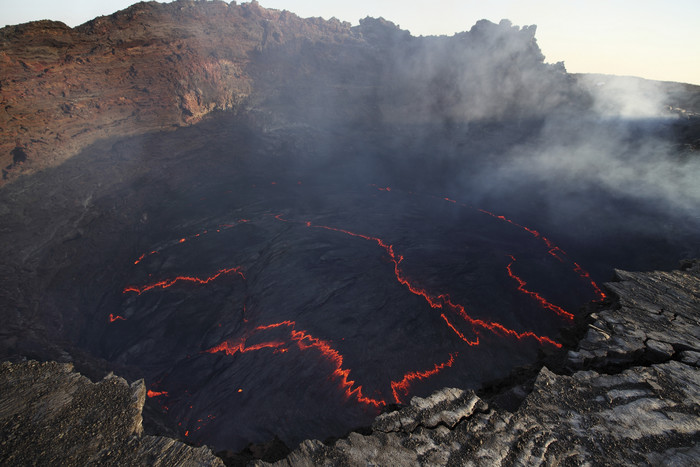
[405, 384]
[554, 251]
[441, 301]
[304, 341]
[541, 300]
[164, 284]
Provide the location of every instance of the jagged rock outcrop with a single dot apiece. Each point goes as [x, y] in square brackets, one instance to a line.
[657, 320]
[641, 406]
[51, 415]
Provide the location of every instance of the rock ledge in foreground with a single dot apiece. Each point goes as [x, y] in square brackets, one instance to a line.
[51, 415]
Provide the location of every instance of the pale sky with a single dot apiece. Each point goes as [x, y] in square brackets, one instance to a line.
[655, 39]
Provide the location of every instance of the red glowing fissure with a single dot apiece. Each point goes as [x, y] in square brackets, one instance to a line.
[197, 235]
[442, 301]
[541, 300]
[150, 393]
[113, 318]
[164, 284]
[459, 334]
[585, 275]
[405, 384]
[554, 251]
[304, 341]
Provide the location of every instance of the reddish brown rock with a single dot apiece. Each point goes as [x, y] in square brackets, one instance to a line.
[149, 67]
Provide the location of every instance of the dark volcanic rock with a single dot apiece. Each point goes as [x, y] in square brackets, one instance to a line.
[50, 415]
[657, 318]
[645, 414]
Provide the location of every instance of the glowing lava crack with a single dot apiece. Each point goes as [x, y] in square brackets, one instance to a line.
[442, 301]
[164, 284]
[304, 341]
[541, 300]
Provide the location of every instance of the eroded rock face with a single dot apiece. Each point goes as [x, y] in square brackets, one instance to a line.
[149, 67]
[657, 320]
[51, 415]
[159, 66]
[646, 413]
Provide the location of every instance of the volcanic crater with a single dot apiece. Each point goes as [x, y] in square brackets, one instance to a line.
[295, 266]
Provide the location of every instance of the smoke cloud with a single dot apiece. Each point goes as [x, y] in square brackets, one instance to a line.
[482, 116]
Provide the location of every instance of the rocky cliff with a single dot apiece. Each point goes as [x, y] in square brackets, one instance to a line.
[149, 67]
[156, 66]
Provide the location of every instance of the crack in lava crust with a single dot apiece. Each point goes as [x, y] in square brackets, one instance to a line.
[442, 301]
[304, 341]
[164, 284]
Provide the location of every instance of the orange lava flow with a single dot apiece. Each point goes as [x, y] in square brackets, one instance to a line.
[197, 235]
[586, 276]
[234, 347]
[442, 301]
[140, 258]
[405, 383]
[150, 393]
[305, 341]
[164, 284]
[540, 299]
[459, 334]
[113, 318]
[554, 251]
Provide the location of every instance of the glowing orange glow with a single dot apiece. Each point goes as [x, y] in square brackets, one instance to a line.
[113, 318]
[405, 384]
[541, 300]
[202, 422]
[304, 341]
[275, 325]
[459, 334]
[164, 284]
[554, 251]
[586, 276]
[234, 347]
[150, 393]
[140, 258]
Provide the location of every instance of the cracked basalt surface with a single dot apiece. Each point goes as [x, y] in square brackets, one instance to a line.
[632, 397]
